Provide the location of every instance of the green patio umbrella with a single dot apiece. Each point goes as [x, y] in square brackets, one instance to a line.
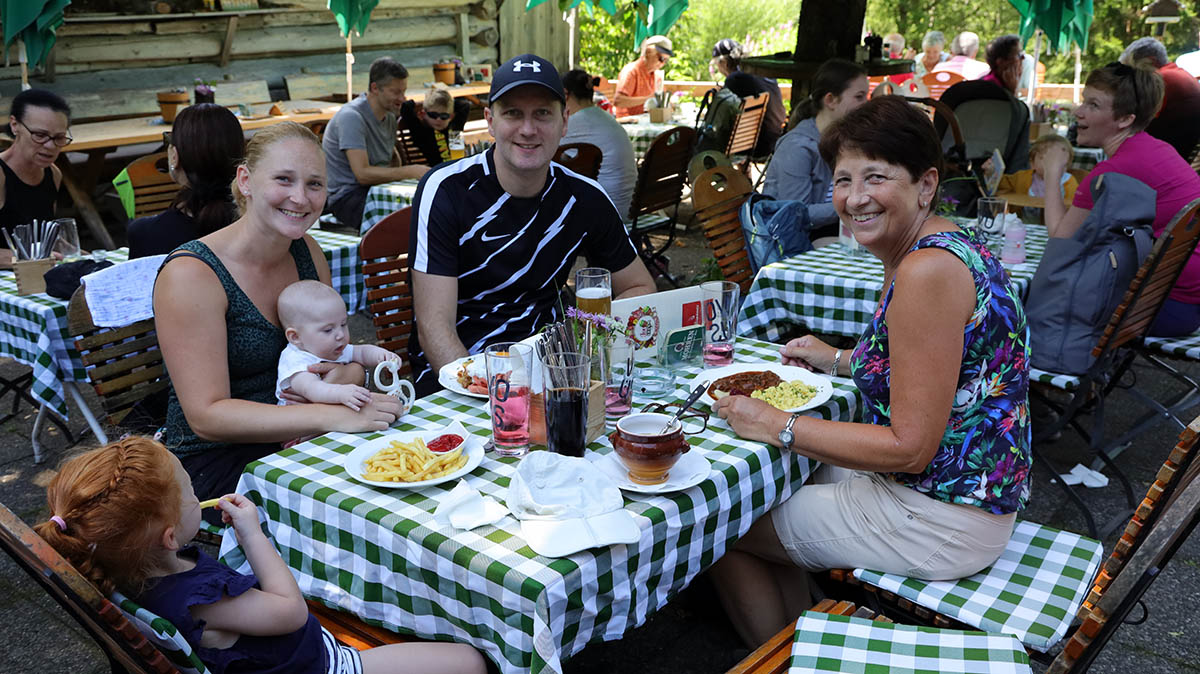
[351, 15]
[1063, 21]
[655, 17]
[34, 23]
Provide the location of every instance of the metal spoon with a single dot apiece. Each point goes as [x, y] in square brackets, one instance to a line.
[687, 404]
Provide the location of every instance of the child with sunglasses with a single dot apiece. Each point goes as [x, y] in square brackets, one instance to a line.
[430, 124]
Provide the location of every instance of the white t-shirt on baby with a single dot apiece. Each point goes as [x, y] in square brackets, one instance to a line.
[294, 360]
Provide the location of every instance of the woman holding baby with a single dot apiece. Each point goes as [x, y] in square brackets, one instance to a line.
[215, 307]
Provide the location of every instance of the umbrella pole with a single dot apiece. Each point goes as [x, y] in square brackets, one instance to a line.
[1037, 55]
[23, 57]
[349, 68]
[1079, 71]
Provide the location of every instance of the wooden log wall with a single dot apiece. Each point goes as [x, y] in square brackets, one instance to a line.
[99, 42]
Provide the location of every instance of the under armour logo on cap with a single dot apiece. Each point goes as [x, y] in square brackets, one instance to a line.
[526, 69]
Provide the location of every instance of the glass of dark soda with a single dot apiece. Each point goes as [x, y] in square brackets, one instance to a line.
[565, 397]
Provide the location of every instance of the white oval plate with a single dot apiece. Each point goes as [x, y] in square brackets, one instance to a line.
[448, 377]
[690, 470]
[354, 460]
[785, 372]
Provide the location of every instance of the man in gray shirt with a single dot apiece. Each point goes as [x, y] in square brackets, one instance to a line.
[360, 143]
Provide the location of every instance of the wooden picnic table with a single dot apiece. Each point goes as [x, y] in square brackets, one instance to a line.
[97, 139]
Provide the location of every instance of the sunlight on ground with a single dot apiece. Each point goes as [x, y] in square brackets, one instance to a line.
[42, 479]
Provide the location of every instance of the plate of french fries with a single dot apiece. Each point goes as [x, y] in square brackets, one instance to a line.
[404, 460]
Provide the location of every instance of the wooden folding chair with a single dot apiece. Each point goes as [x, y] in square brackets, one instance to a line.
[317, 126]
[384, 255]
[406, 146]
[718, 195]
[661, 179]
[937, 83]
[582, 158]
[1024, 595]
[125, 647]
[746, 126]
[123, 364]
[153, 189]
[1122, 342]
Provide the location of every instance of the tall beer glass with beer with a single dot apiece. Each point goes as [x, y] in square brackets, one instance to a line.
[593, 290]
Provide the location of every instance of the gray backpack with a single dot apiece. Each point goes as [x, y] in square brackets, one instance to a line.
[1081, 280]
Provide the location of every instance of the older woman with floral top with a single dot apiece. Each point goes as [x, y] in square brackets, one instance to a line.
[940, 465]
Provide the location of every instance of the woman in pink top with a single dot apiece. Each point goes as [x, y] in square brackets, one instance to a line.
[1118, 102]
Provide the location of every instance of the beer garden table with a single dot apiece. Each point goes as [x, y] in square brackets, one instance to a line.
[381, 555]
[385, 199]
[834, 291]
[33, 329]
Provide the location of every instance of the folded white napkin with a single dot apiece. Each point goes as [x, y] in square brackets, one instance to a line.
[465, 508]
[1081, 474]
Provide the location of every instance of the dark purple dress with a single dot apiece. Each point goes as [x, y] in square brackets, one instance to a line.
[301, 652]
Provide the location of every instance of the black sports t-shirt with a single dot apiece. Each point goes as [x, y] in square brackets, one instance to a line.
[511, 255]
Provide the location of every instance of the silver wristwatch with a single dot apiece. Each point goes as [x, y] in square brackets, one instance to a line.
[786, 437]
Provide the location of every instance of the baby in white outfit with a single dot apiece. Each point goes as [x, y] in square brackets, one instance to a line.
[313, 316]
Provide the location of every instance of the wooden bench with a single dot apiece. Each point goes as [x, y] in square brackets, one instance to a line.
[773, 656]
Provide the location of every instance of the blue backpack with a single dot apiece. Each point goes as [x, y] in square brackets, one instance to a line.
[774, 229]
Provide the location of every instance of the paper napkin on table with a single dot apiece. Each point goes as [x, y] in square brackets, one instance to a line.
[565, 505]
[465, 508]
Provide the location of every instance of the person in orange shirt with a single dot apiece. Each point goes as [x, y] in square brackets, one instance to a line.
[642, 78]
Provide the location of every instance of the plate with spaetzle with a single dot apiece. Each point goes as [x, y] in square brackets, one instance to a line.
[412, 459]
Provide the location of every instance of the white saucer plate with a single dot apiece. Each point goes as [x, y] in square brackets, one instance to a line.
[691, 469]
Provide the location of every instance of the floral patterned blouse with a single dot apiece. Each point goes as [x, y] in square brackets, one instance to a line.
[984, 456]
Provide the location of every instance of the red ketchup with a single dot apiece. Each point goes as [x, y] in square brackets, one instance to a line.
[444, 443]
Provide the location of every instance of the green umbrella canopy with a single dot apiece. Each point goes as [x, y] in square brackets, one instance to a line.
[35, 22]
[352, 14]
[1063, 21]
[655, 17]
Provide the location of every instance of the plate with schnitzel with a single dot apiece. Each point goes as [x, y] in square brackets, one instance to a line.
[788, 388]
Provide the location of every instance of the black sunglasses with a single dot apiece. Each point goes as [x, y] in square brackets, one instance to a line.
[439, 115]
[167, 138]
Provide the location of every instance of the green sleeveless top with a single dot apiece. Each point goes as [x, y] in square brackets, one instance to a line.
[254, 345]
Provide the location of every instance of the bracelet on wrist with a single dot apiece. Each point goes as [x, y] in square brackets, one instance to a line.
[837, 359]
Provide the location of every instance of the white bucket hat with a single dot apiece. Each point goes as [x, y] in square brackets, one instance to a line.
[565, 504]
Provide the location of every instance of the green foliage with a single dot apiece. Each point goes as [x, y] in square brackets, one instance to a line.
[606, 42]
[767, 26]
[1116, 23]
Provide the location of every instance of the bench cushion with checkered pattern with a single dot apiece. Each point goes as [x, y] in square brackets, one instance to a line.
[1032, 591]
[163, 634]
[1066, 382]
[837, 643]
[1187, 346]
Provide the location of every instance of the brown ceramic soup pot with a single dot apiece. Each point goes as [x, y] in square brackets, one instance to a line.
[645, 452]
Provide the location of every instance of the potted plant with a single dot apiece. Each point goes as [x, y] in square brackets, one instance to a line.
[205, 91]
[169, 103]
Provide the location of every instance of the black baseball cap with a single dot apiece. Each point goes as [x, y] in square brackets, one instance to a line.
[525, 69]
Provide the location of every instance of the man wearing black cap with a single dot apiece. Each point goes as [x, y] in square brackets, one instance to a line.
[726, 59]
[494, 236]
[642, 78]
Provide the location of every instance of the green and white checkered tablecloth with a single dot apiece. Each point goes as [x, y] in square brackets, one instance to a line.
[1032, 592]
[834, 291]
[643, 132]
[837, 643]
[33, 328]
[383, 200]
[379, 553]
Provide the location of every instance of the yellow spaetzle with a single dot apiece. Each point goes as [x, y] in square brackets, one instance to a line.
[786, 395]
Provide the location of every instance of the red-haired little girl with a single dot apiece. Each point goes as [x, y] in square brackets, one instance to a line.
[124, 515]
